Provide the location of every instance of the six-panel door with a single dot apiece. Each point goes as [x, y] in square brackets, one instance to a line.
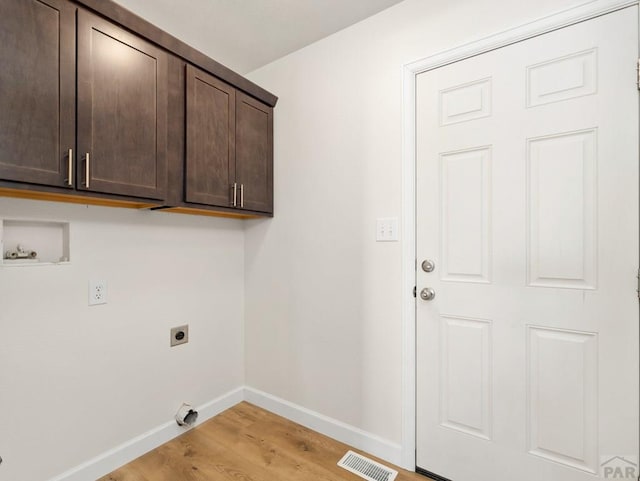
[37, 91]
[527, 201]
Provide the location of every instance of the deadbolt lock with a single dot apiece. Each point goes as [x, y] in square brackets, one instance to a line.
[428, 265]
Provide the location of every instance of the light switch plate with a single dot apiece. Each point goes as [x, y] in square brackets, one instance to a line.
[387, 229]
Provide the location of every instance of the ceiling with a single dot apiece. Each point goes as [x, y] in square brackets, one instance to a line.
[247, 34]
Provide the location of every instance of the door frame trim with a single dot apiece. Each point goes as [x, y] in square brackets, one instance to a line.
[556, 21]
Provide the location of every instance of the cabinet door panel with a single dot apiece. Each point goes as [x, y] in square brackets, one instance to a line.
[254, 153]
[37, 90]
[122, 110]
[210, 164]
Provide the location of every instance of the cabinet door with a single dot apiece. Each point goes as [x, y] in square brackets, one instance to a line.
[122, 111]
[37, 90]
[254, 153]
[211, 156]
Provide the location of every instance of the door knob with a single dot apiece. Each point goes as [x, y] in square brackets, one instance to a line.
[427, 294]
[428, 265]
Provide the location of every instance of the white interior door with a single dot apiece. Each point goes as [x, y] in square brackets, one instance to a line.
[527, 204]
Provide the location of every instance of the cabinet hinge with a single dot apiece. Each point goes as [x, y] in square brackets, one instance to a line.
[638, 286]
[638, 74]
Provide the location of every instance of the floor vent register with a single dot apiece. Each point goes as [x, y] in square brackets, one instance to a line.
[366, 468]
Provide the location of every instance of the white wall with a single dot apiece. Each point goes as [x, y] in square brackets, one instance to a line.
[76, 381]
[323, 299]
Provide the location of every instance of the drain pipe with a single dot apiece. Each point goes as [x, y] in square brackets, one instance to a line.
[186, 416]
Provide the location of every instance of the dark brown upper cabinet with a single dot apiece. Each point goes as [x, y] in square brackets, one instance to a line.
[122, 111]
[229, 146]
[37, 91]
[254, 153]
[119, 82]
[210, 145]
[96, 106]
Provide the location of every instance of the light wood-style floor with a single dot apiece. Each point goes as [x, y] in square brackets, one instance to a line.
[246, 443]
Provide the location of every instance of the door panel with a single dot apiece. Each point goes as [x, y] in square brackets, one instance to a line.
[122, 111]
[561, 227]
[465, 213]
[562, 395]
[465, 375]
[37, 90]
[254, 154]
[527, 201]
[211, 141]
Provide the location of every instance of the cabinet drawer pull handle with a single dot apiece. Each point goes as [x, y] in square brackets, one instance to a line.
[235, 194]
[86, 171]
[242, 195]
[70, 168]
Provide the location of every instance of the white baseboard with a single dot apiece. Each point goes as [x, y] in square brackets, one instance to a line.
[136, 447]
[363, 440]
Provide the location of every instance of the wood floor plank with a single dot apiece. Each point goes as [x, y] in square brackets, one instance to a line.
[266, 455]
[246, 443]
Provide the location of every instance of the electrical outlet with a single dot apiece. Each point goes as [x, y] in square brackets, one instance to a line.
[97, 292]
[179, 335]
